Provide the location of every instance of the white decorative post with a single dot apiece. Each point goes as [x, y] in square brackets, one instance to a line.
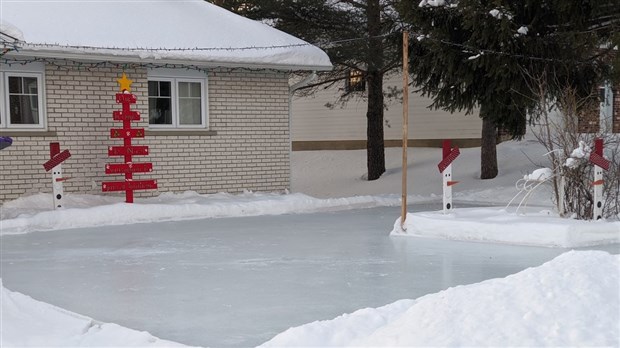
[600, 163]
[445, 168]
[56, 158]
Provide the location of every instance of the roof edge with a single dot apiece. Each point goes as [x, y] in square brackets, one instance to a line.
[134, 58]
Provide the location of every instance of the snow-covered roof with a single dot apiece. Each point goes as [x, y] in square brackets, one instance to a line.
[176, 31]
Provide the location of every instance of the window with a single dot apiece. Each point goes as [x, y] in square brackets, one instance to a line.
[355, 81]
[21, 92]
[177, 101]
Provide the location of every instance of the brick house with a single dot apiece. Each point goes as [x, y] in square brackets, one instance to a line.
[607, 117]
[213, 91]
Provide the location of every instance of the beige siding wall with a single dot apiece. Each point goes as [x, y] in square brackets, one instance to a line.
[247, 110]
[312, 121]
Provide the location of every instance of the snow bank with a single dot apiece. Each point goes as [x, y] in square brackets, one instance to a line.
[33, 213]
[570, 301]
[28, 322]
[501, 226]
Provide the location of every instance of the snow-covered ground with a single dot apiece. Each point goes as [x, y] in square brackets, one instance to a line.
[569, 301]
[572, 300]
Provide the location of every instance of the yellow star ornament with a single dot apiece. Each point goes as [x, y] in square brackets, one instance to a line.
[124, 83]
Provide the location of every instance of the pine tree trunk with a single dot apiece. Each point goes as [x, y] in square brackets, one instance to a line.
[374, 115]
[488, 146]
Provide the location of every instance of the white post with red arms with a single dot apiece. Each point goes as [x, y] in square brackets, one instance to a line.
[445, 168]
[600, 164]
[54, 164]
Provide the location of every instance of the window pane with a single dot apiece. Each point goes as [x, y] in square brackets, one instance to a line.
[15, 84]
[194, 89]
[190, 112]
[160, 111]
[183, 89]
[30, 84]
[164, 88]
[23, 109]
[153, 88]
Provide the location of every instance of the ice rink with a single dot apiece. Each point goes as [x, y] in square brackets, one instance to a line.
[240, 281]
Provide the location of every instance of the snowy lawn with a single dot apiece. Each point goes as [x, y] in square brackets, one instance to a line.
[572, 300]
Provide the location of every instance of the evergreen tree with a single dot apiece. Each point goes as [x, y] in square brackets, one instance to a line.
[486, 54]
[372, 52]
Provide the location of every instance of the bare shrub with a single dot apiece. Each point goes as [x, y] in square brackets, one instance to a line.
[557, 130]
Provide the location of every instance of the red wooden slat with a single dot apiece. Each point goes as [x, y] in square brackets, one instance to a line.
[127, 133]
[125, 98]
[122, 168]
[128, 150]
[599, 160]
[108, 186]
[54, 149]
[56, 160]
[446, 161]
[122, 116]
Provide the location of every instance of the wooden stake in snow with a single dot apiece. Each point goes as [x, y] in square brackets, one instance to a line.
[403, 212]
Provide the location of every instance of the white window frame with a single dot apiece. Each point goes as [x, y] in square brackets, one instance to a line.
[35, 70]
[175, 76]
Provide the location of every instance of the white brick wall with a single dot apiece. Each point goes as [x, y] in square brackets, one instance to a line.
[247, 110]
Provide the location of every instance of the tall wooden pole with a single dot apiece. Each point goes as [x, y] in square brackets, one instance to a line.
[403, 215]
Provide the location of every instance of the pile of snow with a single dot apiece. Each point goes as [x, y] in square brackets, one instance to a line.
[578, 155]
[570, 301]
[540, 174]
[539, 228]
[522, 31]
[499, 14]
[433, 3]
[32, 213]
[29, 323]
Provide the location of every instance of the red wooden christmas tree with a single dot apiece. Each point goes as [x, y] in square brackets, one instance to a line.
[127, 150]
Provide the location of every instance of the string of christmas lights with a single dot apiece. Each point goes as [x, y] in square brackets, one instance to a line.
[25, 45]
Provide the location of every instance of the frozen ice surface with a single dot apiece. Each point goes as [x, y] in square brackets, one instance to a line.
[240, 281]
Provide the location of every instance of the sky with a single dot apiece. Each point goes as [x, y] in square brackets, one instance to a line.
[531, 307]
